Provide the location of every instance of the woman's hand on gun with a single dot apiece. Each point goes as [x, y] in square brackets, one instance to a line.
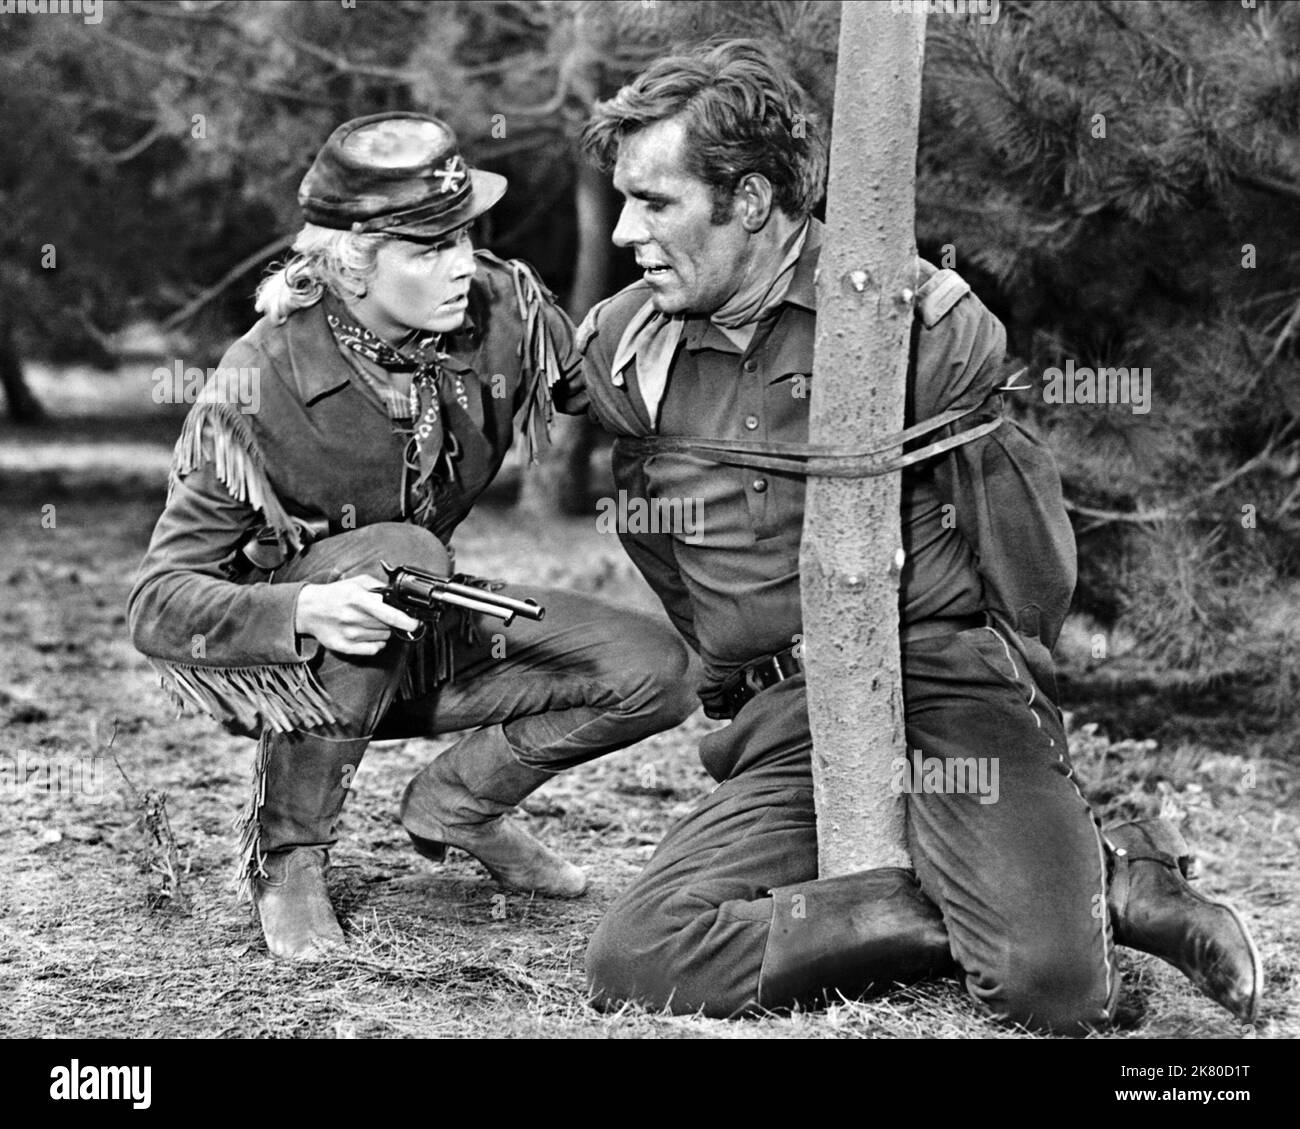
[349, 616]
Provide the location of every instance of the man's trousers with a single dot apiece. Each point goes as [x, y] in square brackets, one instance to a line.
[589, 679]
[1020, 880]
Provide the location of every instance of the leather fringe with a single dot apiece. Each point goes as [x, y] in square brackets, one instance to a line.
[236, 461]
[280, 697]
[453, 624]
[251, 862]
[418, 679]
[537, 354]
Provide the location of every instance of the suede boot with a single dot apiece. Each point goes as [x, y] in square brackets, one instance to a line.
[302, 781]
[460, 800]
[294, 906]
[844, 935]
[1154, 910]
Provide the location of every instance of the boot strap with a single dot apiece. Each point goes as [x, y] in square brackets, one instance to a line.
[1164, 860]
[1161, 843]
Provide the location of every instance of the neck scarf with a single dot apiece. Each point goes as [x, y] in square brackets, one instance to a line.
[429, 386]
[651, 338]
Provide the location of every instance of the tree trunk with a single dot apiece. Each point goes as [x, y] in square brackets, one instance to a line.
[850, 558]
[561, 480]
[23, 405]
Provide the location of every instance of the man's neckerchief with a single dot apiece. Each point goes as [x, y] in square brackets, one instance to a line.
[651, 338]
[429, 395]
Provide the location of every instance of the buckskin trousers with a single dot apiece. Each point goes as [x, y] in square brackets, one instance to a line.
[589, 679]
[1019, 879]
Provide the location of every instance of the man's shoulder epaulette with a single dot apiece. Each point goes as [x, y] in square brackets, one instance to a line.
[611, 315]
[939, 291]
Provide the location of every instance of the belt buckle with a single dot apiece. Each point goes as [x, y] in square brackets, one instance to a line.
[766, 673]
[789, 658]
[752, 677]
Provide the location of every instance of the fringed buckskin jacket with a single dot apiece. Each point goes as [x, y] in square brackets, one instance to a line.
[318, 447]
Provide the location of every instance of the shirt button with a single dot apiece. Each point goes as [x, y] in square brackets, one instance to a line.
[750, 366]
[760, 484]
[751, 422]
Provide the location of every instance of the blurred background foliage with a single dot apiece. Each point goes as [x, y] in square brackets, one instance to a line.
[1119, 181]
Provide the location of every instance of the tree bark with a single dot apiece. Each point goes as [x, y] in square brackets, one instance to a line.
[22, 403]
[851, 553]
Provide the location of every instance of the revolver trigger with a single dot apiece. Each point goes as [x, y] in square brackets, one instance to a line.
[412, 636]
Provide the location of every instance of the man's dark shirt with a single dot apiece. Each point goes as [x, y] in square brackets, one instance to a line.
[732, 586]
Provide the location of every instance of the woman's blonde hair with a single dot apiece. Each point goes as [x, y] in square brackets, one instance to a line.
[323, 257]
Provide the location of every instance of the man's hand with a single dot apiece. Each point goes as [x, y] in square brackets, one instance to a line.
[349, 616]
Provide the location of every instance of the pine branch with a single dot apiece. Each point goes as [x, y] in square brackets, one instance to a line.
[204, 297]
[1292, 322]
[173, 64]
[1263, 182]
[1145, 36]
[343, 65]
[1184, 510]
[211, 13]
[136, 148]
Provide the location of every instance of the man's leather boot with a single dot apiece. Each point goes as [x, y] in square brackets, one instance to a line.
[303, 780]
[1154, 910]
[460, 800]
[844, 935]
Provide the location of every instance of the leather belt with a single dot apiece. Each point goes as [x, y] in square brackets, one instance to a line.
[743, 684]
[264, 549]
[942, 625]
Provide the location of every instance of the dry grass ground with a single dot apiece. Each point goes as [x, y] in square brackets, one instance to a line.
[101, 936]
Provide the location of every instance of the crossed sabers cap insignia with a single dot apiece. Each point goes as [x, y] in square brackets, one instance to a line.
[451, 174]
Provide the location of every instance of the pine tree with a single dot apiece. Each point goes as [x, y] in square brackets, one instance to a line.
[1122, 183]
[849, 557]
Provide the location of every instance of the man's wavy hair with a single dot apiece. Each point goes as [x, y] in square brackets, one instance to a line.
[743, 112]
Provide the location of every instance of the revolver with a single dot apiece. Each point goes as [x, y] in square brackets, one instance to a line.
[422, 594]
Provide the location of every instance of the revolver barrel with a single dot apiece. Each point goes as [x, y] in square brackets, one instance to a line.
[415, 590]
[529, 609]
[469, 603]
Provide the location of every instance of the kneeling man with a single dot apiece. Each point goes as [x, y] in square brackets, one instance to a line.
[1026, 896]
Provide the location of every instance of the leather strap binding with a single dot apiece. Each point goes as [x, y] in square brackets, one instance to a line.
[829, 461]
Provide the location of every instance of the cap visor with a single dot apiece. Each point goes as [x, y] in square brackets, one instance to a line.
[486, 189]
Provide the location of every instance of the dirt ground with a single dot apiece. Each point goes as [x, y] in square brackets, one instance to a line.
[104, 932]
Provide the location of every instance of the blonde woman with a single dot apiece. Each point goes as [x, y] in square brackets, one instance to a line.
[394, 365]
